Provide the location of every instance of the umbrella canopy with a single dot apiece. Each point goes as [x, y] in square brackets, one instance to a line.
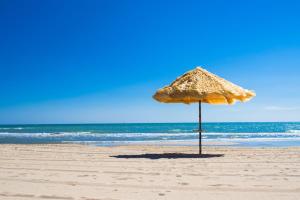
[201, 85]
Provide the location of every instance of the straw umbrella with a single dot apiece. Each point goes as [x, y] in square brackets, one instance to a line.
[201, 86]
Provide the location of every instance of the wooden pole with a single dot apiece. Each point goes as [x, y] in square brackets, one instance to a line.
[200, 130]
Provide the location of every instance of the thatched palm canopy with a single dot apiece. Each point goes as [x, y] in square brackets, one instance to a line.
[201, 85]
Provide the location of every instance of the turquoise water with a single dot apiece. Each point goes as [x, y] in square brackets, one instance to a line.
[242, 134]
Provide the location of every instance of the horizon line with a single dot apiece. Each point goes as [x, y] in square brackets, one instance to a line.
[102, 123]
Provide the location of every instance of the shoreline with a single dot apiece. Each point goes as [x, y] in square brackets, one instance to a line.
[251, 143]
[74, 171]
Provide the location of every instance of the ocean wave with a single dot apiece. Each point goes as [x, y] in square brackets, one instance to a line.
[91, 134]
[293, 131]
[175, 130]
[179, 131]
[108, 139]
[271, 139]
[14, 128]
[149, 135]
[44, 134]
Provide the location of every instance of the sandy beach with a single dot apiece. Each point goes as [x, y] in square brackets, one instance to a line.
[68, 171]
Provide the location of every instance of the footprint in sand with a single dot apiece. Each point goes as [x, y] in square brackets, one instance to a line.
[216, 185]
[184, 183]
[85, 175]
[55, 197]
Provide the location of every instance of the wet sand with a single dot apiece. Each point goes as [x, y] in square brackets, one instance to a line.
[71, 172]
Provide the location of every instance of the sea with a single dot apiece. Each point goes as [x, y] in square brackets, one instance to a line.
[264, 134]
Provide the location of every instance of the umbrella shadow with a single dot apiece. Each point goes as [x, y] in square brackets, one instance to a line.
[169, 156]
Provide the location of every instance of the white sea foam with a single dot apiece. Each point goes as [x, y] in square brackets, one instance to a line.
[90, 134]
[14, 128]
[54, 134]
[271, 139]
[290, 133]
[293, 131]
[179, 130]
[192, 142]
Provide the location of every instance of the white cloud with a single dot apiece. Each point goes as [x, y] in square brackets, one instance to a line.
[281, 108]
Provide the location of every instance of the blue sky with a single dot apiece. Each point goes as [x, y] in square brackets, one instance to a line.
[101, 61]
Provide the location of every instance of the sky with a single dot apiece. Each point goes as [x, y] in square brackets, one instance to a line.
[101, 61]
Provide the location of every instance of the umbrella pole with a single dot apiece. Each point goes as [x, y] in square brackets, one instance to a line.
[200, 130]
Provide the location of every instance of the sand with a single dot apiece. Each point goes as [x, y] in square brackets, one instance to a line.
[68, 171]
